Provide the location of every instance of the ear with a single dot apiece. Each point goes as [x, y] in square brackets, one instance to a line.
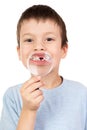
[18, 51]
[64, 50]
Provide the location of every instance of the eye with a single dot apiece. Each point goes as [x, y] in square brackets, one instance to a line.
[49, 39]
[29, 40]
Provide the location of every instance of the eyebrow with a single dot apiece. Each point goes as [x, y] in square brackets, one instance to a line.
[27, 34]
[33, 34]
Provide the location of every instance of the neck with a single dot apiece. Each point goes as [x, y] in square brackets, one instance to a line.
[52, 81]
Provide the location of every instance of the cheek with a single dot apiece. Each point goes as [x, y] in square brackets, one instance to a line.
[56, 56]
[24, 53]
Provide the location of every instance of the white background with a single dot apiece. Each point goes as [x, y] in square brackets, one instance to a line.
[74, 13]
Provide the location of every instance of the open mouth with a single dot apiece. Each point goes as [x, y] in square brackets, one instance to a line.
[40, 59]
[40, 63]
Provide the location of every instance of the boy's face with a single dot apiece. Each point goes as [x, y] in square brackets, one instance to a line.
[41, 36]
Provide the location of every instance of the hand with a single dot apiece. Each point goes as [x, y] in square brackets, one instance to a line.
[32, 96]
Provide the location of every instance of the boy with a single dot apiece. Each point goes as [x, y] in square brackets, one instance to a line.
[49, 102]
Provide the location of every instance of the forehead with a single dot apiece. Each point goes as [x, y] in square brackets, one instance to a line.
[39, 26]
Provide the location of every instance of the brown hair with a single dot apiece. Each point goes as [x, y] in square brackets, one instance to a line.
[42, 12]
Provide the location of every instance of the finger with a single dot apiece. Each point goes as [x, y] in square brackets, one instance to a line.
[36, 86]
[33, 87]
[36, 93]
[31, 81]
[39, 99]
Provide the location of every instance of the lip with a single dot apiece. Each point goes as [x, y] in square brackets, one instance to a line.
[39, 63]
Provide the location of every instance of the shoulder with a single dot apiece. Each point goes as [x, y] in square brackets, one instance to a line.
[12, 94]
[12, 90]
[12, 105]
[75, 86]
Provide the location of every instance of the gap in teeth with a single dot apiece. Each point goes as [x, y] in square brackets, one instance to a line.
[35, 58]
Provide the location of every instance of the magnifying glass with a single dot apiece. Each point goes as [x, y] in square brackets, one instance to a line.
[40, 63]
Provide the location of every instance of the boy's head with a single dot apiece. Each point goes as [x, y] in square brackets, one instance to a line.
[42, 12]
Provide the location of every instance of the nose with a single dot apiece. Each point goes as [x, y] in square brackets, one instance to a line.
[39, 46]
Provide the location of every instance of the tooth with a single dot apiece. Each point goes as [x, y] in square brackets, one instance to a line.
[46, 57]
[35, 58]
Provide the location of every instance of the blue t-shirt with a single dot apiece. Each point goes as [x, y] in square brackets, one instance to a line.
[63, 108]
